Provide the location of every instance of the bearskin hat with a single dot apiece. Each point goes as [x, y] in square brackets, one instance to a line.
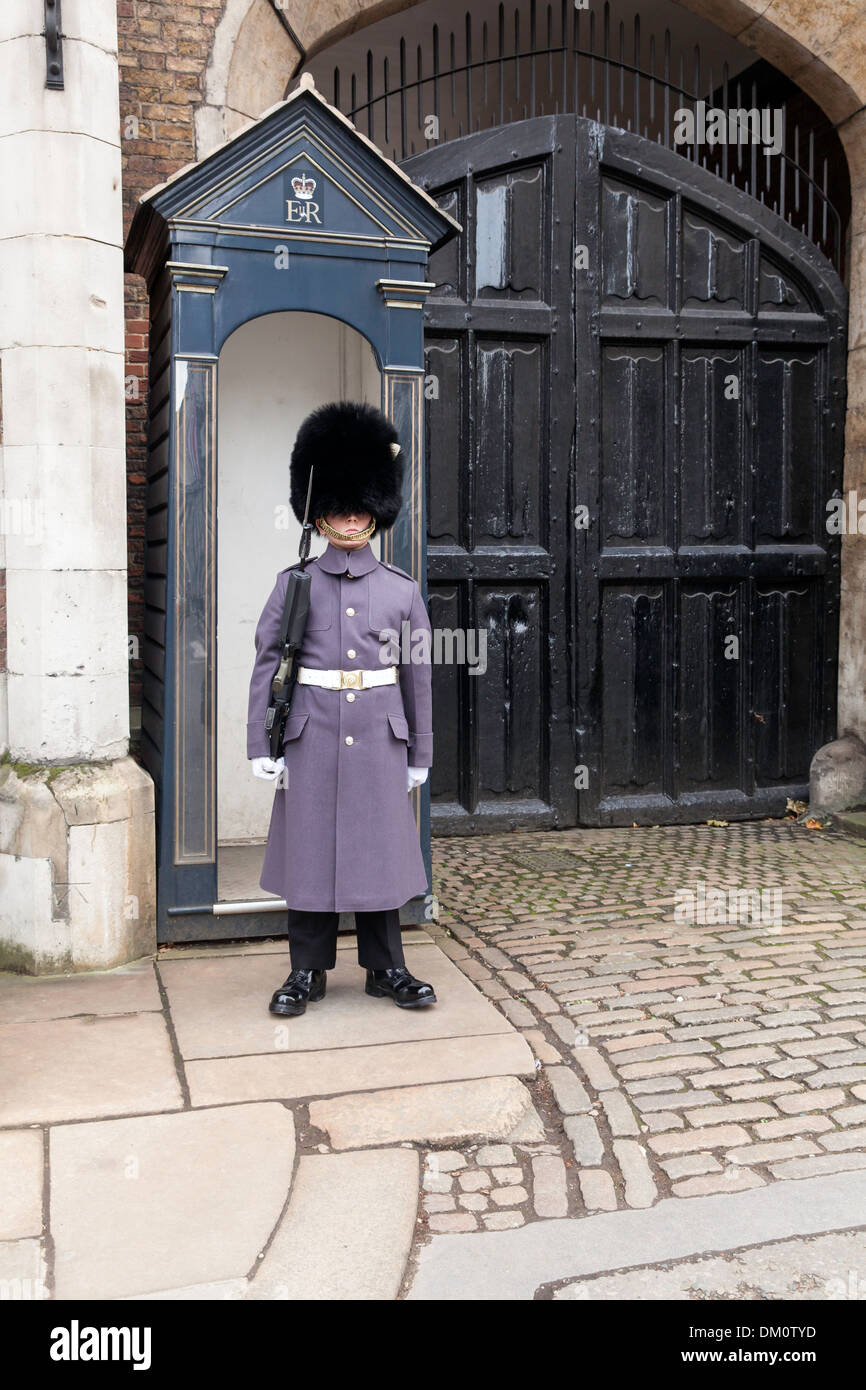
[355, 468]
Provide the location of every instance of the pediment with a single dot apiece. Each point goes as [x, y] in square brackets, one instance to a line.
[301, 170]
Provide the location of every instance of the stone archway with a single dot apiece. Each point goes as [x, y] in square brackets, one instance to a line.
[260, 45]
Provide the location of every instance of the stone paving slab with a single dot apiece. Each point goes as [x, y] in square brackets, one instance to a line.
[513, 1265]
[128, 989]
[371, 1067]
[347, 1231]
[22, 1270]
[21, 1178]
[815, 1268]
[166, 1201]
[218, 1290]
[78, 1068]
[219, 1007]
[493, 1108]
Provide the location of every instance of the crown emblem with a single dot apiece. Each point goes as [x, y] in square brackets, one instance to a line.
[304, 186]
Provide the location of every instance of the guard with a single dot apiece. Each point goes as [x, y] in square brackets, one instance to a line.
[358, 737]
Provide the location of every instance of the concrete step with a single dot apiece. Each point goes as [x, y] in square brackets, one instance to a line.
[851, 823]
[347, 1231]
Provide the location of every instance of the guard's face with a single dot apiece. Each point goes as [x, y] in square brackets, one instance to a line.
[348, 523]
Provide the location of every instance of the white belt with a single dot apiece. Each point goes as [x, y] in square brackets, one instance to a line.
[344, 680]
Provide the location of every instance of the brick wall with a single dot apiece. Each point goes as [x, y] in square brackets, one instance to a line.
[163, 53]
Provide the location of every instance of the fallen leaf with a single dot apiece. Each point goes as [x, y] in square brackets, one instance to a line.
[716, 822]
[813, 824]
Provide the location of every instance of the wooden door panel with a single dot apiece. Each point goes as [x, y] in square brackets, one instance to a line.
[620, 333]
[499, 435]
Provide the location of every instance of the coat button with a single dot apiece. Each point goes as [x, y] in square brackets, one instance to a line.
[351, 652]
[351, 695]
[350, 612]
[350, 739]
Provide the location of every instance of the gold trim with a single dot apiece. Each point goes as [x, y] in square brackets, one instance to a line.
[345, 535]
[255, 229]
[205, 855]
[393, 381]
[195, 289]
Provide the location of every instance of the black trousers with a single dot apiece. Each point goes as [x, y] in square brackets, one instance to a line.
[313, 939]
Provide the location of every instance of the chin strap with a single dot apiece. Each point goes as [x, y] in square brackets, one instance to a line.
[341, 535]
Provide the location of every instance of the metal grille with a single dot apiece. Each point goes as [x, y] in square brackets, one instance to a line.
[570, 60]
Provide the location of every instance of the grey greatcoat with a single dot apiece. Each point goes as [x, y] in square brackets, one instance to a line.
[342, 833]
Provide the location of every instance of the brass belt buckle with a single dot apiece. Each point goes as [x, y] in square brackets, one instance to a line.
[350, 679]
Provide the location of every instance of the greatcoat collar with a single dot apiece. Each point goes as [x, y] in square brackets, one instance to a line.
[357, 562]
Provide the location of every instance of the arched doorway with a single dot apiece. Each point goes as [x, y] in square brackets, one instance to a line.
[642, 378]
[629, 459]
[521, 759]
[272, 371]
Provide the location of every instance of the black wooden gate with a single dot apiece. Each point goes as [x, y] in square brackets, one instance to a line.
[634, 422]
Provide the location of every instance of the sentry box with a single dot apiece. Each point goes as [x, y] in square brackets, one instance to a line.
[285, 269]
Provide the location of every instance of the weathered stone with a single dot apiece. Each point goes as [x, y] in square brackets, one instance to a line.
[490, 1154]
[848, 1139]
[453, 1221]
[498, 1107]
[21, 1165]
[814, 1100]
[509, 1196]
[837, 775]
[732, 1114]
[502, 1220]
[433, 1201]
[595, 1068]
[444, 1161]
[597, 1189]
[437, 1182]
[569, 1094]
[640, 1188]
[549, 1191]
[585, 1139]
[473, 1201]
[813, 1167]
[119, 1232]
[691, 1165]
[767, 1153]
[473, 1181]
[82, 1068]
[508, 1175]
[728, 1181]
[714, 1137]
[620, 1115]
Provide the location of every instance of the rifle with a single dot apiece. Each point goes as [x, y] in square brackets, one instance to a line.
[296, 610]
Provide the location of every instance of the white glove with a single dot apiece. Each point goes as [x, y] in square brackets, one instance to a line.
[268, 768]
[417, 776]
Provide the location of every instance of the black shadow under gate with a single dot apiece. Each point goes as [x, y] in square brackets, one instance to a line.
[635, 420]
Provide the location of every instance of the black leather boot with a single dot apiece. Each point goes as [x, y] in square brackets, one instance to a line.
[301, 988]
[403, 988]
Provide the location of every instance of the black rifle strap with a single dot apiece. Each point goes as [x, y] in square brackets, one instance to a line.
[284, 624]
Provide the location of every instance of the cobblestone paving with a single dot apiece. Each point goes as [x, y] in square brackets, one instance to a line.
[675, 1056]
